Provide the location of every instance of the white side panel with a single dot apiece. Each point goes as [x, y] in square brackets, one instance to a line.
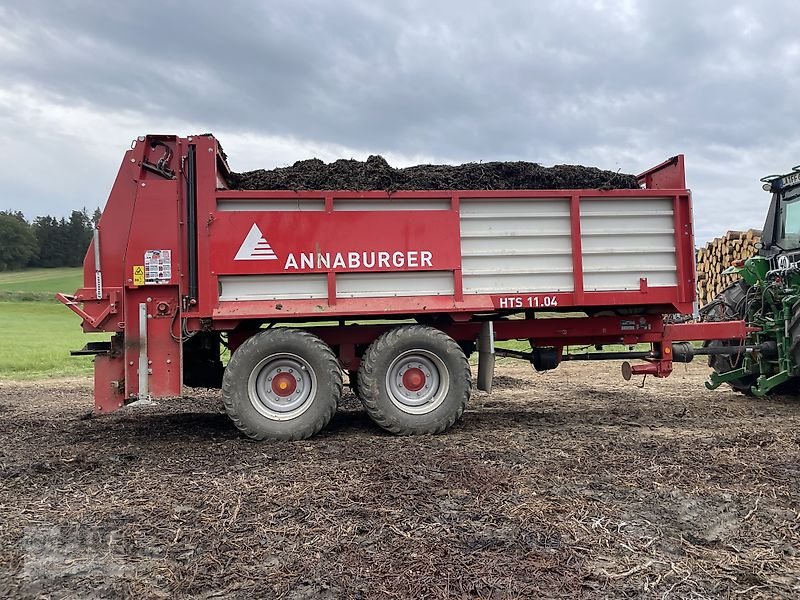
[347, 204]
[409, 283]
[225, 205]
[299, 286]
[516, 244]
[348, 285]
[514, 283]
[625, 240]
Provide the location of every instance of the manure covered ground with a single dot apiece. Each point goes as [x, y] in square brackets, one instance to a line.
[376, 174]
[564, 485]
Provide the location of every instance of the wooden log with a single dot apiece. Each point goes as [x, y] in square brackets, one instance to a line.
[717, 255]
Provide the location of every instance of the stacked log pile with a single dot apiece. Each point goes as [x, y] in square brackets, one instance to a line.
[717, 256]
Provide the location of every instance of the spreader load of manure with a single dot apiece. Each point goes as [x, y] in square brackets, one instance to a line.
[376, 174]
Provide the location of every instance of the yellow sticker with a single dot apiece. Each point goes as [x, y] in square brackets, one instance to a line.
[138, 275]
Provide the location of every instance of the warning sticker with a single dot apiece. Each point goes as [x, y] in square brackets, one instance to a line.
[157, 266]
[138, 275]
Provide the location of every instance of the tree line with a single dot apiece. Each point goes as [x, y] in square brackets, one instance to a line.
[46, 241]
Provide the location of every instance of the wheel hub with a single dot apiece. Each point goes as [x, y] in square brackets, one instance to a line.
[282, 386]
[417, 381]
[413, 379]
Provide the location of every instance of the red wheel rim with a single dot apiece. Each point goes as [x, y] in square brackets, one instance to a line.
[414, 379]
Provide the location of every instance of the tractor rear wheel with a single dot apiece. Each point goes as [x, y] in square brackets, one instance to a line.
[792, 387]
[729, 306]
[282, 384]
[414, 380]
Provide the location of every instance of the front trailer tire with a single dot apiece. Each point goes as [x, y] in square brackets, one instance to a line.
[414, 380]
[282, 384]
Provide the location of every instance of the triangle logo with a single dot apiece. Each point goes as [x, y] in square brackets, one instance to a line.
[255, 247]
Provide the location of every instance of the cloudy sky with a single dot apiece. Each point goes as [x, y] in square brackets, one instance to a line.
[617, 84]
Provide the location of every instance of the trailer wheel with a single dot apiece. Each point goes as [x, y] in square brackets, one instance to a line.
[414, 380]
[729, 306]
[282, 384]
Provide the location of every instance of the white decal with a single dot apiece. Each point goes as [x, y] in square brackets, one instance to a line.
[528, 301]
[157, 266]
[255, 247]
[358, 260]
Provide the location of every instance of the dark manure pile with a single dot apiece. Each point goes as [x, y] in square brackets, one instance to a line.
[376, 174]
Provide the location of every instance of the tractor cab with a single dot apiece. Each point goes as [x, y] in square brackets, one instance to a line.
[781, 236]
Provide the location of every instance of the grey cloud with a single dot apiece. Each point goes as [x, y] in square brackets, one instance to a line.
[354, 74]
[624, 81]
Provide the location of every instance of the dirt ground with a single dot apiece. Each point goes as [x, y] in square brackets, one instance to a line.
[569, 484]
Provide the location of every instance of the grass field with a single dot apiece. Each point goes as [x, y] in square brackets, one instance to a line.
[37, 331]
[37, 338]
[39, 284]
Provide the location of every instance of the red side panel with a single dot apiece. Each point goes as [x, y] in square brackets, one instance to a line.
[109, 385]
[163, 356]
[427, 242]
[142, 220]
[669, 175]
[115, 223]
[155, 226]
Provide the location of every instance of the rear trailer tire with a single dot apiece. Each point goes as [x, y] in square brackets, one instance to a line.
[282, 384]
[729, 306]
[414, 380]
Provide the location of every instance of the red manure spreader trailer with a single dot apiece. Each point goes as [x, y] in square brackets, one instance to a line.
[395, 288]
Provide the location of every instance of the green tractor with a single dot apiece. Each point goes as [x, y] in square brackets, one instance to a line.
[767, 297]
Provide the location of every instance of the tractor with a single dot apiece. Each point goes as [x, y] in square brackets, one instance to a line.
[767, 298]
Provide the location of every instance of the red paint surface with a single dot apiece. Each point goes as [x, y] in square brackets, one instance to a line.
[298, 233]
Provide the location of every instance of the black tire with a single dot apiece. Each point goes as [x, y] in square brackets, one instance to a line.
[729, 306]
[429, 358]
[309, 375]
[792, 387]
[794, 333]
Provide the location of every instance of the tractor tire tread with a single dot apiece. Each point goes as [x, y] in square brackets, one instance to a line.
[730, 298]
